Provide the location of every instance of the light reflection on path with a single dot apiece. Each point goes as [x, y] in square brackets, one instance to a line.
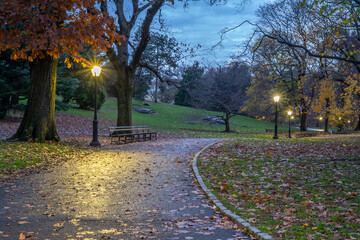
[141, 190]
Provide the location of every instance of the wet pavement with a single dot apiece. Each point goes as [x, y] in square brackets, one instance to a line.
[137, 191]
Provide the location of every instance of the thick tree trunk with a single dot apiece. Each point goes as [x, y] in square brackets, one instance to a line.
[124, 91]
[38, 123]
[326, 124]
[303, 117]
[358, 125]
[227, 125]
[4, 106]
[327, 114]
[227, 121]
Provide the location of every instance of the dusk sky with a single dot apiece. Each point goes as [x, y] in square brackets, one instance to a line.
[201, 24]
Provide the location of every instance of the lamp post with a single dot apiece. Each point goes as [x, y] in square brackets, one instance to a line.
[95, 142]
[276, 99]
[289, 114]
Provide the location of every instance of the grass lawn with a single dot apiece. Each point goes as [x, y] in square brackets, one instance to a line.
[181, 120]
[289, 188]
[20, 157]
[170, 119]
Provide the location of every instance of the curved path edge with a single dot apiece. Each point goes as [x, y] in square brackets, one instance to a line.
[222, 208]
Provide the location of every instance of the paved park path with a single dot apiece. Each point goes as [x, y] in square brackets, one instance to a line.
[137, 191]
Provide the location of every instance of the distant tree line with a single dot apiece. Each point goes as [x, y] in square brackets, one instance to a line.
[308, 53]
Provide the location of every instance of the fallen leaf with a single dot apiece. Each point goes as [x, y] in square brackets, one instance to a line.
[22, 236]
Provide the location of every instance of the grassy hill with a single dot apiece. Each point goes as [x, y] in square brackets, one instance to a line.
[181, 120]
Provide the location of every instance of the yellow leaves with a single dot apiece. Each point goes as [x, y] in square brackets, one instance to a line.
[30, 59]
[67, 62]
[58, 225]
[22, 222]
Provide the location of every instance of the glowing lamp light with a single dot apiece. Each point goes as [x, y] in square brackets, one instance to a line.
[289, 113]
[320, 118]
[96, 70]
[276, 99]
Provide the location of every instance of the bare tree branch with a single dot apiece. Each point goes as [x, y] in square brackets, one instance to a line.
[158, 75]
[145, 32]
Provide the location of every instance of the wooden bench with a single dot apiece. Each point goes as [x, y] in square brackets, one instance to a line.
[128, 134]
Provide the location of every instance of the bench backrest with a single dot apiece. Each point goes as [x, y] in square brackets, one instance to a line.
[128, 129]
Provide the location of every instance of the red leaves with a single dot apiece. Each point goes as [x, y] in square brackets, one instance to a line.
[55, 28]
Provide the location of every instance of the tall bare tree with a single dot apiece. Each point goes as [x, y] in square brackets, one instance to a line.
[125, 61]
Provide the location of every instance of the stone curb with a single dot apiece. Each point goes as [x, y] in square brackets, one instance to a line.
[223, 209]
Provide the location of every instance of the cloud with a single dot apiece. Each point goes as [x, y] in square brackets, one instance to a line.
[202, 24]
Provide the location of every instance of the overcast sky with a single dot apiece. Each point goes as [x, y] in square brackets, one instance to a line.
[201, 24]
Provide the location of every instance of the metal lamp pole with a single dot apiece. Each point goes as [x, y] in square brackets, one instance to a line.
[276, 99]
[95, 142]
[289, 113]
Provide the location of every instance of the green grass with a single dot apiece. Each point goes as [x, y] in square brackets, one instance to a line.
[19, 155]
[170, 119]
[181, 120]
[290, 188]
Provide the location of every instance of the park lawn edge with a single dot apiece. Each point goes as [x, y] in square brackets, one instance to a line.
[22, 158]
[242, 224]
[305, 229]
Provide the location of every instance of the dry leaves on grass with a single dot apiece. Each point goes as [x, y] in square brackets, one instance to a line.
[298, 188]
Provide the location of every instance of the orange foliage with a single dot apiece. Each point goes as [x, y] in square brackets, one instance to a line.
[38, 27]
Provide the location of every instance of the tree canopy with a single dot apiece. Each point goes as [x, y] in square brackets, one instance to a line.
[40, 31]
[38, 27]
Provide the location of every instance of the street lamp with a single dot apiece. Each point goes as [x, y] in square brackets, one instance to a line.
[96, 70]
[276, 99]
[289, 114]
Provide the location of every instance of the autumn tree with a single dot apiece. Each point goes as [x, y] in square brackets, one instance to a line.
[39, 31]
[292, 68]
[339, 24]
